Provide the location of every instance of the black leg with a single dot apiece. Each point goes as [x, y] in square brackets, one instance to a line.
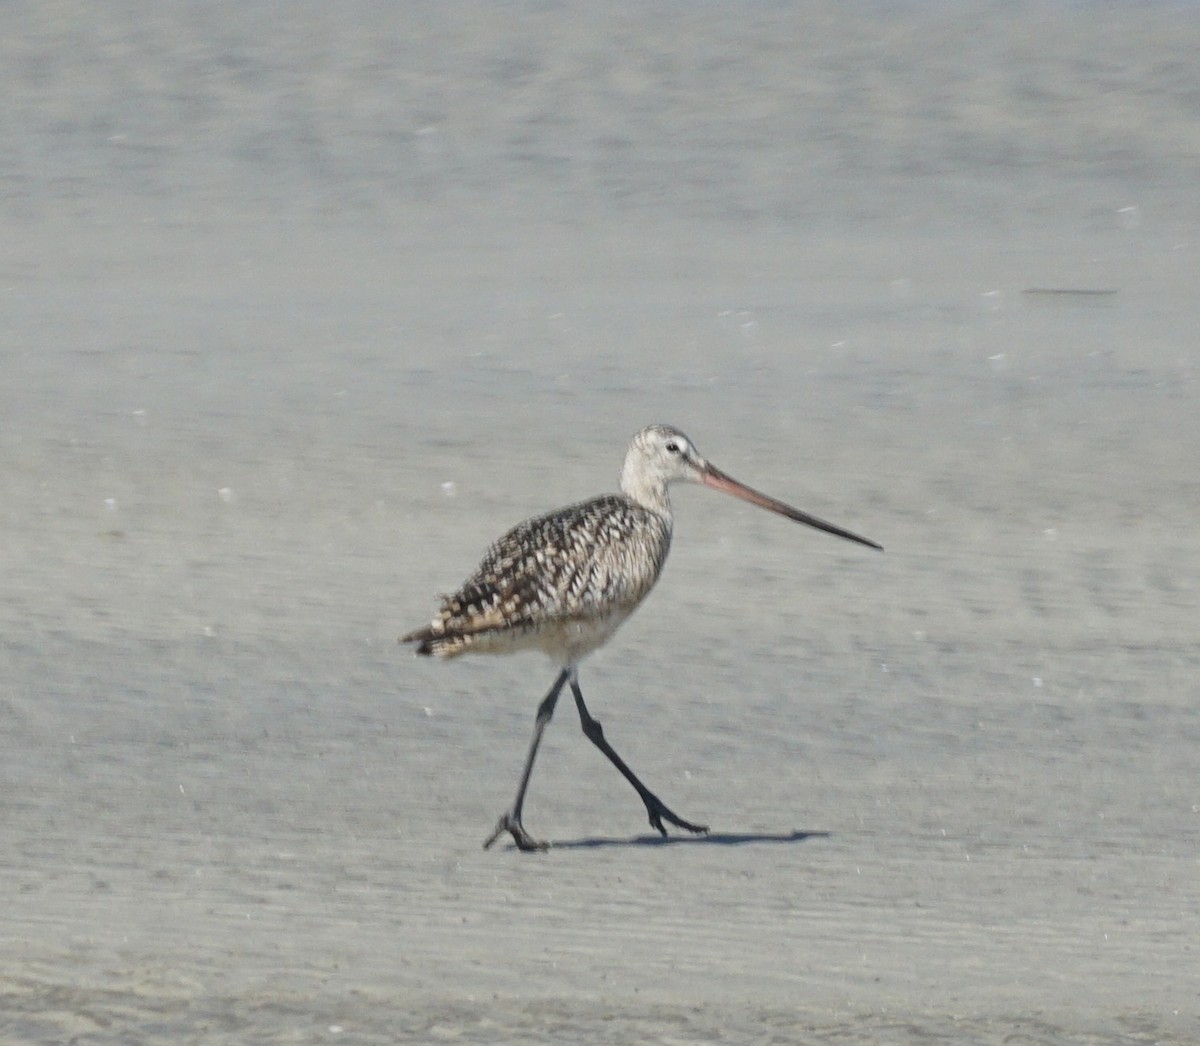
[511, 821]
[655, 807]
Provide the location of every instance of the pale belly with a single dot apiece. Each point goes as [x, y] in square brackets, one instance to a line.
[565, 641]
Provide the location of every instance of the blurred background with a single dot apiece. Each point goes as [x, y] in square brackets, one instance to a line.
[302, 304]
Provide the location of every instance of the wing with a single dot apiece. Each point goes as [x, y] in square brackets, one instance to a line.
[585, 561]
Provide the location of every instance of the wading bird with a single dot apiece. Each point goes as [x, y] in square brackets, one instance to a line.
[564, 582]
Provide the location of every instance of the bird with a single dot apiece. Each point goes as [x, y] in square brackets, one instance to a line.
[562, 583]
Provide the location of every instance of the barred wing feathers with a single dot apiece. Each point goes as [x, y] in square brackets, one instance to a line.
[586, 562]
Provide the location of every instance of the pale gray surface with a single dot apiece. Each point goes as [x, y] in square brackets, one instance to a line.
[272, 278]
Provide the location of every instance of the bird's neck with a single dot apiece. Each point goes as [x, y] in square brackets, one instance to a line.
[649, 494]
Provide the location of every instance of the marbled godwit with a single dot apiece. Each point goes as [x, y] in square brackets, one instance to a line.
[564, 582]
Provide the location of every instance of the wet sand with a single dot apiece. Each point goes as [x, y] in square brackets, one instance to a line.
[302, 309]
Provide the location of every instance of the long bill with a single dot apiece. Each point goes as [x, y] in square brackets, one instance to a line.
[715, 478]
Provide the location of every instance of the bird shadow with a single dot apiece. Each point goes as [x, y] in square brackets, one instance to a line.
[711, 839]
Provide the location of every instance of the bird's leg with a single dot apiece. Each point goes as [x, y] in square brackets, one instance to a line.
[655, 807]
[511, 821]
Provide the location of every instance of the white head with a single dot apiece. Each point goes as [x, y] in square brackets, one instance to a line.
[660, 455]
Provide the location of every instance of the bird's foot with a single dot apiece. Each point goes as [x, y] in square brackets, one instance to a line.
[512, 824]
[659, 811]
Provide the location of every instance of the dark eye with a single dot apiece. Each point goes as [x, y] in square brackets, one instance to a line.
[673, 447]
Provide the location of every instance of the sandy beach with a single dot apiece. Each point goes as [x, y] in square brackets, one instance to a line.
[305, 304]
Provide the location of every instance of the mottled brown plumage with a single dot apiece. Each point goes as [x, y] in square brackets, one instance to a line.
[561, 583]
[564, 582]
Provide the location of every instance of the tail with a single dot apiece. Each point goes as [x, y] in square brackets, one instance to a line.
[425, 638]
[434, 642]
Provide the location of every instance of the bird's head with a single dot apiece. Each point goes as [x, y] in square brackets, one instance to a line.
[660, 455]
